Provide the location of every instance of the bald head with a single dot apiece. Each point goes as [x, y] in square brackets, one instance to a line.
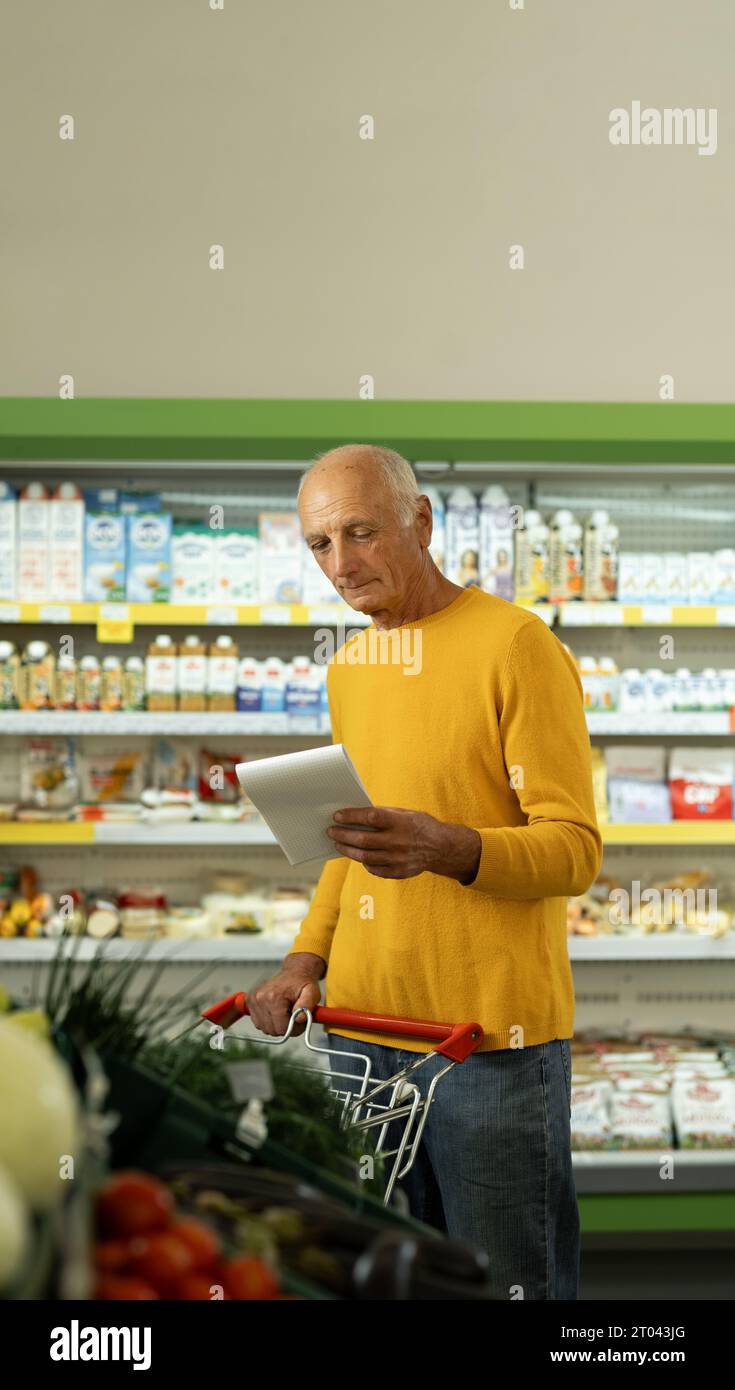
[368, 527]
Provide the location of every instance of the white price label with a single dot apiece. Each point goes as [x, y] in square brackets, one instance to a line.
[9, 613]
[726, 615]
[222, 617]
[331, 615]
[280, 615]
[54, 613]
[656, 613]
[114, 612]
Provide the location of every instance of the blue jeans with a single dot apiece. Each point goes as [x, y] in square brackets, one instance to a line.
[494, 1165]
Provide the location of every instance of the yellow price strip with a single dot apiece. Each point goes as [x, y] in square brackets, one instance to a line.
[114, 623]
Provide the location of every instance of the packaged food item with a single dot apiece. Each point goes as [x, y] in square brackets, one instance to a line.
[222, 674]
[175, 765]
[103, 918]
[701, 781]
[630, 577]
[37, 676]
[66, 535]
[682, 690]
[704, 1114]
[192, 564]
[89, 683]
[640, 1120]
[676, 578]
[236, 566]
[115, 777]
[192, 674]
[33, 543]
[723, 585]
[249, 685]
[317, 588]
[540, 566]
[273, 695]
[303, 695]
[161, 673]
[633, 802]
[561, 521]
[65, 684]
[587, 667]
[523, 558]
[463, 537]
[138, 503]
[134, 684]
[111, 688]
[659, 691]
[104, 558]
[149, 557]
[143, 913]
[8, 542]
[701, 576]
[191, 922]
[590, 1122]
[279, 556]
[217, 776]
[101, 499]
[48, 776]
[496, 542]
[608, 684]
[653, 577]
[598, 578]
[9, 675]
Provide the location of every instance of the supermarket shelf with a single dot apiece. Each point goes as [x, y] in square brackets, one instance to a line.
[186, 614]
[718, 723]
[679, 832]
[703, 1170]
[656, 946]
[646, 615]
[255, 946]
[208, 833]
[78, 722]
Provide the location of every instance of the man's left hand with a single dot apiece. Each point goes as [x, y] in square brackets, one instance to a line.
[401, 844]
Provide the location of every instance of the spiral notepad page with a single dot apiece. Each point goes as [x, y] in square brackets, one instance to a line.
[297, 795]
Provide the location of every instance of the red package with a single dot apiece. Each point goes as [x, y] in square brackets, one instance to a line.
[701, 781]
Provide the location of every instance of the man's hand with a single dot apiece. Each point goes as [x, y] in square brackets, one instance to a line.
[405, 843]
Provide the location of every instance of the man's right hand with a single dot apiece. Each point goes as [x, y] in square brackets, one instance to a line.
[272, 1003]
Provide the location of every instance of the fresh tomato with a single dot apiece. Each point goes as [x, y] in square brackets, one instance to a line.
[199, 1238]
[111, 1286]
[248, 1277]
[162, 1261]
[112, 1256]
[132, 1204]
[197, 1286]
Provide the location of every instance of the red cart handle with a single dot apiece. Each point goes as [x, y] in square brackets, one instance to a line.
[456, 1041]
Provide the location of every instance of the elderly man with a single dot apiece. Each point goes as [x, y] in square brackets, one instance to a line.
[452, 907]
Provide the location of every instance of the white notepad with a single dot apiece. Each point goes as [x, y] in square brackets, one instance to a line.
[297, 795]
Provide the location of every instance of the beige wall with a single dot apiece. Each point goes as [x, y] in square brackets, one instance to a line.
[345, 257]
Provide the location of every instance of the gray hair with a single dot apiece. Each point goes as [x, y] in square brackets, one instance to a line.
[396, 473]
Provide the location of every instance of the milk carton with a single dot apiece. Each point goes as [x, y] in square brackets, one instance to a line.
[104, 557]
[192, 564]
[593, 536]
[653, 577]
[438, 542]
[149, 557]
[560, 523]
[8, 547]
[274, 686]
[496, 542]
[66, 577]
[34, 520]
[463, 538]
[523, 558]
[236, 565]
[317, 588]
[303, 695]
[630, 577]
[676, 577]
[701, 576]
[249, 685]
[723, 585]
[280, 557]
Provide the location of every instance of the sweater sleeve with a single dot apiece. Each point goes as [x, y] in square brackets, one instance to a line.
[317, 929]
[546, 750]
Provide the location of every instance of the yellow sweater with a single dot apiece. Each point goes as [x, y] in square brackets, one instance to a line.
[473, 714]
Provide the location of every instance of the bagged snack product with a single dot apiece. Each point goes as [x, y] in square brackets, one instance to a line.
[704, 1113]
[590, 1123]
[217, 776]
[112, 776]
[640, 1120]
[48, 774]
[701, 781]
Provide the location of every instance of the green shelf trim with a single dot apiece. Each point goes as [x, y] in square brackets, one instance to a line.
[667, 1211]
[119, 428]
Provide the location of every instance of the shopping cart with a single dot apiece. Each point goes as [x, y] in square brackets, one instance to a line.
[360, 1109]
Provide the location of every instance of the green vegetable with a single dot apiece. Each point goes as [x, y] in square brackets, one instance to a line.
[40, 1116]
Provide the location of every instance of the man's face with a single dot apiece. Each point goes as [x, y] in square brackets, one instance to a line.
[350, 528]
